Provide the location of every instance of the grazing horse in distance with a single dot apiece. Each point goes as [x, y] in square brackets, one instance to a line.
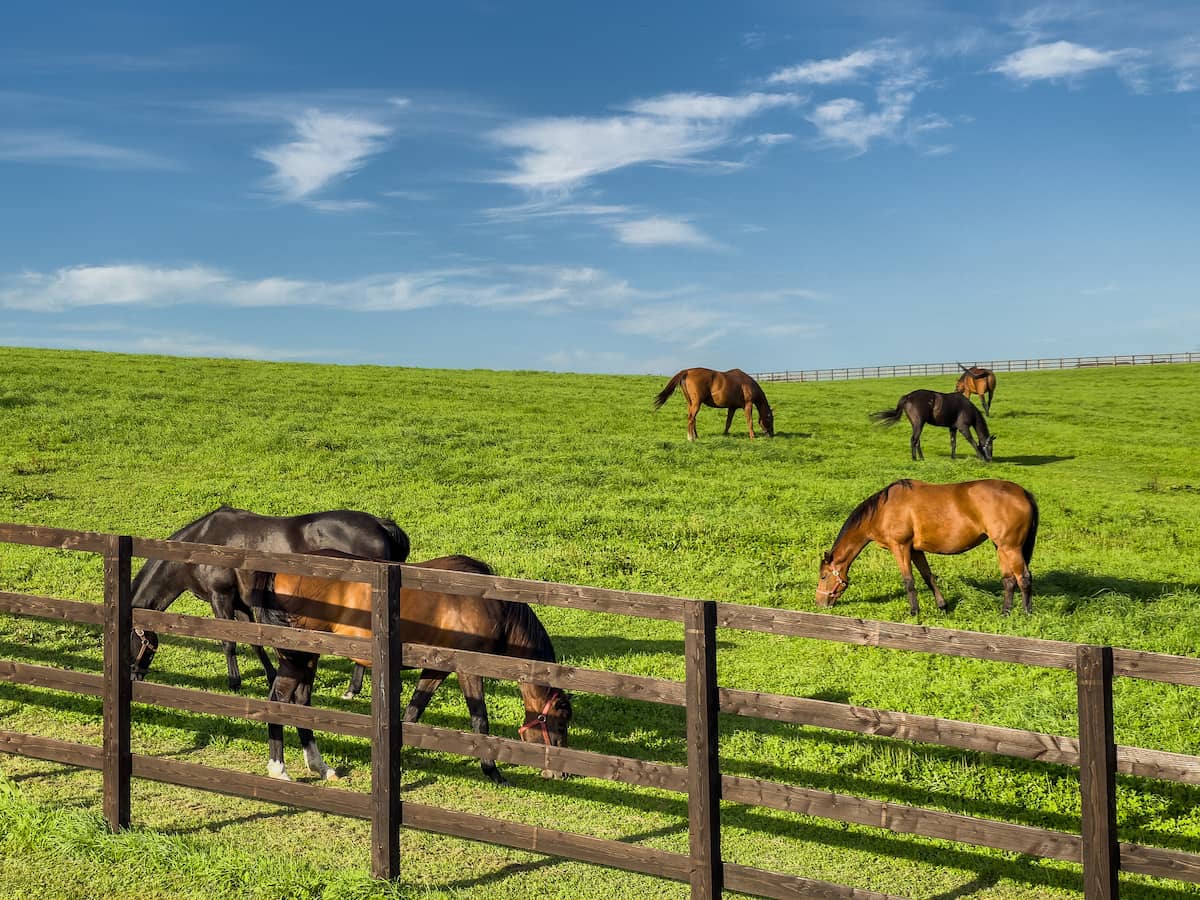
[482, 625]
[953, 411]
[910, 518]
[732, 390]
[159, 582]
[976, 380]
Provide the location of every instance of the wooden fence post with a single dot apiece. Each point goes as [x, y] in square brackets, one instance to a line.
[1097, 772]
[704, 773]
[387, 810]
[118, 684]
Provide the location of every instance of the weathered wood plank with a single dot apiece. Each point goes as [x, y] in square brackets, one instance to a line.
[52, 749]
[253, 633]
[1097, 773]
[386, 738]
[255, 787]
[541, 756]
[252, 709]
[704, 773]
[1160, 863]
[1156, 667]
[256, 560]
[546, 593]
[903, 819]
[52, 608]
[49, 677]
[118, 688]
[593, 681]
[899, 636]
[56, 538]
[761, 883]
[614, 854]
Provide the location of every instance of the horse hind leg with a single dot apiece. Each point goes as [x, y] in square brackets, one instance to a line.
[283, 690]
[914, 443]
[472, 688]
[1015, 572]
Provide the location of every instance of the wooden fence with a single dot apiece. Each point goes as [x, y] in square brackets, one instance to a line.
[1094, 752]
[996, 365]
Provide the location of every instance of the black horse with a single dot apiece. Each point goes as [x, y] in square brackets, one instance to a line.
[160, 582]
[953, 411]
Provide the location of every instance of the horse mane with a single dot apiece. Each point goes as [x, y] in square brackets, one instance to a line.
[867, 508]
[524, 632]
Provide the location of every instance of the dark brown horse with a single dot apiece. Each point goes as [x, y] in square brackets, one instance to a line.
[953, 411]
[732, 390]
[976, 380]
[910, 518]
[426, 617]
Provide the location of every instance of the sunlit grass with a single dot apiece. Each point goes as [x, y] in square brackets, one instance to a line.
[576, 479]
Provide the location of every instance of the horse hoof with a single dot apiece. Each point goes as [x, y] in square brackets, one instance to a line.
[349, 695]
[329, 774]
[277, 770]
[235, 684]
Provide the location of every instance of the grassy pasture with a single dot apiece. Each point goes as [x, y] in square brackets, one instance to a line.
[576, 479]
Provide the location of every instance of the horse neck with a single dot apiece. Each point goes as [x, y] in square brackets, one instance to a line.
[980, 423]
[536, 696]
[852, 540]
[525, 637]
[158, 584]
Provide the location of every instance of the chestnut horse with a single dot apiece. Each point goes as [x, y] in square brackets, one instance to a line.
[910, 518]
[952, 411]
[439, 619]
[976, 380]
[732, 390]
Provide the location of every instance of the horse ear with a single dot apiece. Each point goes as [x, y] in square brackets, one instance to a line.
[827, 557]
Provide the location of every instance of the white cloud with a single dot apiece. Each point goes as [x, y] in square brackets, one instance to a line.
[561, 154]
[1184, 59]
[65, 149]
[850, 67]
[1060, 59]
[547, 287]
[660, 231]
[326, 146]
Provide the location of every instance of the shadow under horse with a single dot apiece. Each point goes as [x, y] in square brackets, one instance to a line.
[731, 390]
[953, 411]
[977, 380]
[160, 582]
[479, 624]
[910, 518]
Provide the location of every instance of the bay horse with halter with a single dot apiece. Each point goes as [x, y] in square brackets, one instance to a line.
[977, 380]
[953, 411]
[912, 518]
[731, 390]
[160, 582]
[436, 618]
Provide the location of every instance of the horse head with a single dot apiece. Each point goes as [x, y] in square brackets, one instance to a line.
[766, 418]
[985, 448]
[831, 583]
[547, 723]
[146, 644]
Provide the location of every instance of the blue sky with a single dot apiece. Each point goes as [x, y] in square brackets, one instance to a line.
[608, 187]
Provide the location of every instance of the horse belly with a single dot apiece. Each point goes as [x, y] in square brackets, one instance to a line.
[948, 540]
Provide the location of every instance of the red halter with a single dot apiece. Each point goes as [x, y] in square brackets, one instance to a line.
[540, 721]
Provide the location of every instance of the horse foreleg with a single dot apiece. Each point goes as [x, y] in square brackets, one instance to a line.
[429, 682]
[729, 419]
[749, 417]
[472, 688]
[312, 755]
[356, 682]
[922, 564]
[974, 444]
[953, 443]
[223, 608]
[902, 553]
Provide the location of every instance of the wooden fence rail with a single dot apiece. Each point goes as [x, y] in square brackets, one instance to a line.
[1094, 753]
[996, 365]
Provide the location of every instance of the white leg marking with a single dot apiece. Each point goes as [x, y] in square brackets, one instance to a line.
[317, 764]
[277, 770]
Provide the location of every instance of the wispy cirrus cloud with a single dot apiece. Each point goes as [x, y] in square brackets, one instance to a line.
[853, 66]
[661, 231]
[130, 285]
[1060, 60]
[561, 154]
[325, 147]
[62, 148]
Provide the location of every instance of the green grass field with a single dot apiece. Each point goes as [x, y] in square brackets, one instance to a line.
[577, 479]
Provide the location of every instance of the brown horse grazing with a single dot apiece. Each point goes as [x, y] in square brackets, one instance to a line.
[426, 617]
[910, 518]
[732, 390]
[951, 411]
[976, 380]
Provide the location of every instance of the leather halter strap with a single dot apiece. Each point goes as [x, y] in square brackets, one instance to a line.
[540, 721]
[842, 582]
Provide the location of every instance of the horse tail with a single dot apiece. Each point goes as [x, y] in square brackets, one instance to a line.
[669, 389]
[400, 543]
[888, 417]
[1031, 537]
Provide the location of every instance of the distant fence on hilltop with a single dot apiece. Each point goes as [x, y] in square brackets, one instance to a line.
[996, 365]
